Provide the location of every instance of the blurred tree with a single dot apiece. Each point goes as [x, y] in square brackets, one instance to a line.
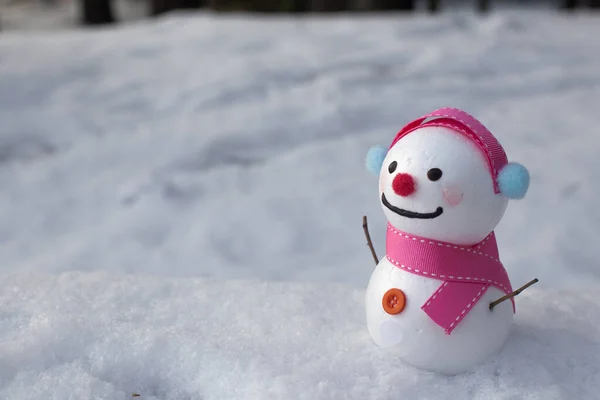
[158, 7]
[272, 6]
[433, 5]
[216, 4]
[191, 4]
[568, 4]
[483, 6]
[382, 5]
[327, 5]
[96, 12]
[593, 3]
[389, 5]
[299, 6]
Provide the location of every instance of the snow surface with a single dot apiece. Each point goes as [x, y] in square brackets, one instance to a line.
[180, 202]
[95, 335]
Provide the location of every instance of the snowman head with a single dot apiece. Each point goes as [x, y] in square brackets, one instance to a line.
[445, 177]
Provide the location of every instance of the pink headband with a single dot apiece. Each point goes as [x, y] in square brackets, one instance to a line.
[462, 122]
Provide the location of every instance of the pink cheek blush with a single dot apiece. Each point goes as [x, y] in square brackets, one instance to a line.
[453, 195]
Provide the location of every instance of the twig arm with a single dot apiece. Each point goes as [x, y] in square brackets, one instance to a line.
[511, 295]
[368, 236]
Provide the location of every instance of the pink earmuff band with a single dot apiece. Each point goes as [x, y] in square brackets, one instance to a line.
[464, 123]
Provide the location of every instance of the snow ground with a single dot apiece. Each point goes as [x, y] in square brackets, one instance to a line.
[94, 335]
[179, 200]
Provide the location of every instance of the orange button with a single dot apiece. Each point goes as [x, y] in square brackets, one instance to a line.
[393, 301]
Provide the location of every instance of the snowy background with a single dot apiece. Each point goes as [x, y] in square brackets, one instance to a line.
[181, 202]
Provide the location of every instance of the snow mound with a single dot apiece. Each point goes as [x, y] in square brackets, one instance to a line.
[131, 151]
[95, 336]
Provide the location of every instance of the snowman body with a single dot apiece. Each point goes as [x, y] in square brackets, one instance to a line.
[412, 336]
[436, 183]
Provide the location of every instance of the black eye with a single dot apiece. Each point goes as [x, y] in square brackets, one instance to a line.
[392, 166]
[434, 174]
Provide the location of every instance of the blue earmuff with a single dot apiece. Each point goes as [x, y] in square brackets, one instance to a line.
[374, 159]
[513, 180]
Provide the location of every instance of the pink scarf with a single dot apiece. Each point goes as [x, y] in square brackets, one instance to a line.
[466, 272]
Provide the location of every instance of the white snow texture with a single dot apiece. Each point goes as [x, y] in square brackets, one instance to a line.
[181, 200]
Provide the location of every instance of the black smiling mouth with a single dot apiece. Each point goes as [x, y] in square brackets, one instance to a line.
[411, 214]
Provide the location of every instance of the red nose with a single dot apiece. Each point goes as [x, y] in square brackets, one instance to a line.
[403, 185]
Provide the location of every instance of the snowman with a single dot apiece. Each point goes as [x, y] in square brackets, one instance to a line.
[444, 185]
